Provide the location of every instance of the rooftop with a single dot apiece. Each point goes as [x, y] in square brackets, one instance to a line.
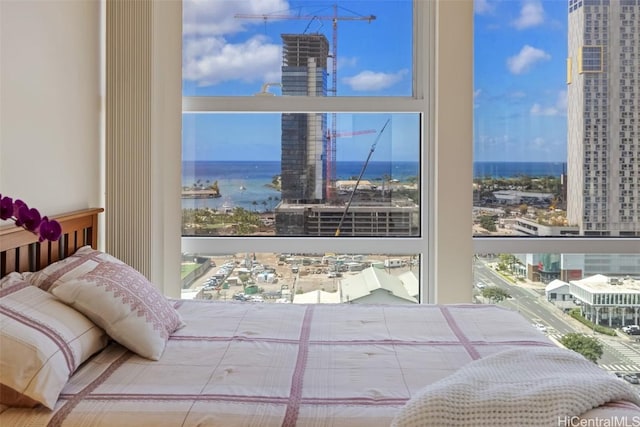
[600, 283]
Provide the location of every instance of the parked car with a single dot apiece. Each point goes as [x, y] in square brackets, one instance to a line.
[631, 329]
[480, 285]
[240, 297]
[632, 378]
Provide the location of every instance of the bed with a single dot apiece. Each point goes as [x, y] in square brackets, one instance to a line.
[162, 362]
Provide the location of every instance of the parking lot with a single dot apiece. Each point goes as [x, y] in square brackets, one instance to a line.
[274, 276]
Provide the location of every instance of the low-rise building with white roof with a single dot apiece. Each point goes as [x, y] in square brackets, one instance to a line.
[611, 301]
[375, 286]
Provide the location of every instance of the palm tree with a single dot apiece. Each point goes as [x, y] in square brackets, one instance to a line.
[215, 188]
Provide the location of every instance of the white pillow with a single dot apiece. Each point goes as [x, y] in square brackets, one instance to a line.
[12, 279]
[42, 342]
[116, 297]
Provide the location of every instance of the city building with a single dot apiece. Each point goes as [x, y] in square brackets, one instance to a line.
[529, 227]
[305, 209]
[546, 267]
[326, 219]
[304, 136]
[603, 128]
[608, 301]
[559, 293]
[376, 286]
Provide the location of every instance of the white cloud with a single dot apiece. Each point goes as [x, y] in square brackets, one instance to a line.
[525, 59]
[214, 17]
[482, 7]
[558, 109]
[531, 15]
[477, 92]
[210, 61]
[370, 81]
[209, 58]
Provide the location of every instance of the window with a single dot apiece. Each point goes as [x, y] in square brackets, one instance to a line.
[303, 128]
[541, 217]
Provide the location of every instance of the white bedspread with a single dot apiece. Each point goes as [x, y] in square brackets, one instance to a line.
[535, 386]
[240, 364]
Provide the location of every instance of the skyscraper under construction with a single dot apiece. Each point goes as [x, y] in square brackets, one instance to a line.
[304, 136]
[304, 209]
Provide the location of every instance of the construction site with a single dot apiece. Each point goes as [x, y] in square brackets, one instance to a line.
[310, 203]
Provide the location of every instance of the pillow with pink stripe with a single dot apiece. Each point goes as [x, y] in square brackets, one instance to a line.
[42, 342]
[116, 297]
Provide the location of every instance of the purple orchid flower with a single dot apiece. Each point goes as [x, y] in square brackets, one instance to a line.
[49, 229]
[28, 218]
[6, 207]
[17, 205]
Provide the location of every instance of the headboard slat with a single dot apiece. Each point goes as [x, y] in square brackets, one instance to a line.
[20, 250]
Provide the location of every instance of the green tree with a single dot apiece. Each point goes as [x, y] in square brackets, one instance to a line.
[495, 294]
[488, 223]
[587, 346]
[244, 278]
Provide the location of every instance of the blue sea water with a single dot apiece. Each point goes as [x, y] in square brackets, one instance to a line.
[243, 183]
[246, 184]
[513, 169]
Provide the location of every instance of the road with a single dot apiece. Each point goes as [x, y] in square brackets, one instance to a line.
[620, 354]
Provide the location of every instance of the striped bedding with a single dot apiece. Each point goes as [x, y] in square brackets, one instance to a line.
[253, 364]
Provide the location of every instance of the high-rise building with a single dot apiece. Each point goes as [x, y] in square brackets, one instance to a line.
[603, 117]
[305, 210]
[603, 134]
[304, 136]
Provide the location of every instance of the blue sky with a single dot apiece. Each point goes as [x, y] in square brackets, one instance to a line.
[520, 80]
[520, 94]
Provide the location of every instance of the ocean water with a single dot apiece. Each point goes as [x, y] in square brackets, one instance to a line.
[246, 184]
[243, 183]
[513, 169]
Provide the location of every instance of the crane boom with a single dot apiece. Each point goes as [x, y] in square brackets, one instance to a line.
[354, 133]
[355, 187]
[305, 17]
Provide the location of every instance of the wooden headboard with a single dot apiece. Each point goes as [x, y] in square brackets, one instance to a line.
[20, 250]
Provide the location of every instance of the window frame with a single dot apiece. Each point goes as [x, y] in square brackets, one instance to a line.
[447, 241]
[427, 21]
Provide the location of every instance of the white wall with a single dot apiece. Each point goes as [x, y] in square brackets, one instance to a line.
[50, 103]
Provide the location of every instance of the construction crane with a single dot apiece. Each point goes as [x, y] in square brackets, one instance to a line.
[331, 165]
[331, 148]
[354, 133]
[355, 187]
